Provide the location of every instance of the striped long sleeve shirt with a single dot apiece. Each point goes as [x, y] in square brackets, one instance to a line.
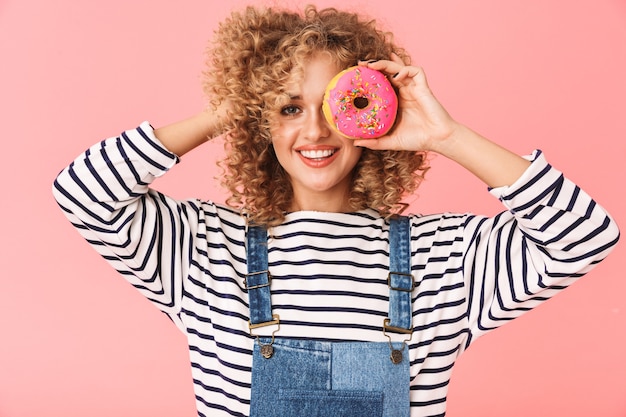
[329, 270]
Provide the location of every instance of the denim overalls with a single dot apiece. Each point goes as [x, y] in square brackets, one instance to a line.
[295, 377]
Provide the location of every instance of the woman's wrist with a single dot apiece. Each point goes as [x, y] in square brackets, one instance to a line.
[493, 164]
[182, 136]
[447, 144]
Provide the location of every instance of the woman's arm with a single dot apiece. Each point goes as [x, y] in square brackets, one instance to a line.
[105, 193]
[551, 233]
[493, 164]
[424, 125]
[182, 136]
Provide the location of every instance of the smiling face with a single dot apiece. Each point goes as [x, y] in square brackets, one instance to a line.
[318, 161]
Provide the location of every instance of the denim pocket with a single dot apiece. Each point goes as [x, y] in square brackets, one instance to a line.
[335, 403]
[329, 379]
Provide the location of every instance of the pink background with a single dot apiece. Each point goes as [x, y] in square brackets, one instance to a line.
[77, 340]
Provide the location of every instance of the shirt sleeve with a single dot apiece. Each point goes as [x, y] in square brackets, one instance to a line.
[106, 196]
[551, 233]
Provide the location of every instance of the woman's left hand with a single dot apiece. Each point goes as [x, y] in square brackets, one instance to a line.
[422, 123]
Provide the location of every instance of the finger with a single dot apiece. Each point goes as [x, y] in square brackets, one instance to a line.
[395, 69]
[365, 143]
[408, 72]
[396, 58]
[373, 144]
[389, 67]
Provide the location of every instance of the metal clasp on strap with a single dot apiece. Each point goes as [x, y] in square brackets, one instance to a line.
[275, 321]
[387, 327]
[391, 287]
[266, 350]
[396, 354]
[252, 274]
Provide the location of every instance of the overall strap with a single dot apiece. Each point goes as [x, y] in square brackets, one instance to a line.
[400, 279]
[258, 279]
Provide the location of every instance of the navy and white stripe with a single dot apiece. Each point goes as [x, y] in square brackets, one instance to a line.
[328, 269]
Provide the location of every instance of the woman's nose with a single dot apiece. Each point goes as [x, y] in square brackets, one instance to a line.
[316, 126]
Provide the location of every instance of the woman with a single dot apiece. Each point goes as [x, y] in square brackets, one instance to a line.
[308, 294]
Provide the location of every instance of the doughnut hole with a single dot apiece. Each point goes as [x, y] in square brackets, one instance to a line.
[361, 102]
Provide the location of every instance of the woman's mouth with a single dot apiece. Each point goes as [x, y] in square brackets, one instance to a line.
[317, 154]
[318, 158]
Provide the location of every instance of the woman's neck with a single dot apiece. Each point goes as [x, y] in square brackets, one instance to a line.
[325, 203]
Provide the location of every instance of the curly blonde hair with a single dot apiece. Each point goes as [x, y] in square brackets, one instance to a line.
[253, 55]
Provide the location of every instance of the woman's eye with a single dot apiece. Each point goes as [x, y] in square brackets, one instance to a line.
[290, 110]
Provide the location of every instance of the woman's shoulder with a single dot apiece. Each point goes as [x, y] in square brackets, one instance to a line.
[218, 216]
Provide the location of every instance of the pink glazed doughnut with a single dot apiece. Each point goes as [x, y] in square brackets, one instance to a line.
[360, 103]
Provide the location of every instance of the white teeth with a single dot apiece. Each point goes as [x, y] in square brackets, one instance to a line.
[316, 154]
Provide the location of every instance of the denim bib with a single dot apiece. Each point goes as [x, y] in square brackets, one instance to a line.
[295, 377]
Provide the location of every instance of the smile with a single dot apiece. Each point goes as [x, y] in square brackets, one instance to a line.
[317, 154]
[318, 158]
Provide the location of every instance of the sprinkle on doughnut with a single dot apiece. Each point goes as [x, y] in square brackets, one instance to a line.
[360, 103]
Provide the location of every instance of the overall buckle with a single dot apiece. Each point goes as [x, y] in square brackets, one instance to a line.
[398, 288]
[396, 355]
[266, 350]
[254, 274]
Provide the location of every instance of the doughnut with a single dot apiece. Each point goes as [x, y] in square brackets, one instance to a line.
[360, 103]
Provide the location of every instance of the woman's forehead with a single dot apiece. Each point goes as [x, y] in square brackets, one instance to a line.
[315, 73]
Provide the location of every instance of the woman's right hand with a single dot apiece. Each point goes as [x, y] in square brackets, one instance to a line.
[182, 136]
